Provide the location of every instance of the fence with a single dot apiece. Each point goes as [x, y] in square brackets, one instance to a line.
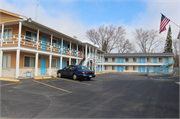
[165, 71]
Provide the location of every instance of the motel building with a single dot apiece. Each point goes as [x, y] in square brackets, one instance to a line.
[28, 48]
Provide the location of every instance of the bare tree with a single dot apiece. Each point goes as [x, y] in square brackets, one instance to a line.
[176, 52]
[147, 40]
[106, 37]
[125, 46]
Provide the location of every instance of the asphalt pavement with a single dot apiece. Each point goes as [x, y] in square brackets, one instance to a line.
[109, 95]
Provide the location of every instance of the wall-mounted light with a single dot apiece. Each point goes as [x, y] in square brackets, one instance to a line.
[29, 20]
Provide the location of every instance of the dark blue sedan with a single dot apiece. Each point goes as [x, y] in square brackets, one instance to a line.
[76, 72]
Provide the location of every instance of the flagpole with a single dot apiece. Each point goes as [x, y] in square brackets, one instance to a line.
[173, 22]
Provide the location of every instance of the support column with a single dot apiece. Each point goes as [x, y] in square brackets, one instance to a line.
[76, 60]
[2, 33]
[50, 58]
[18, 50]
[102, 62]
[37, 38]
[61, 62]
[36, 64]
[89, 57]
[62, 46]
[77, 51]
[70, 49]
[86, 51]
[51, 42]
[69, 61]
[17, 62]
[1, 58]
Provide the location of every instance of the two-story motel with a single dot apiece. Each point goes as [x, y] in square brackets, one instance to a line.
[28, 46]
[135, 62]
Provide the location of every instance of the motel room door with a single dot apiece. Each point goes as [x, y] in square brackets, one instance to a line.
[43, 65]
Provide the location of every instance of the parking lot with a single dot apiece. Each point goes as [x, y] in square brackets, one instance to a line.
[109, 95]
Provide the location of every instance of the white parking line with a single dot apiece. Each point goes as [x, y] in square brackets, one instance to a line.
[178, 83]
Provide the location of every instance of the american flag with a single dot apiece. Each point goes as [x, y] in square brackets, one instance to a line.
[164, 22]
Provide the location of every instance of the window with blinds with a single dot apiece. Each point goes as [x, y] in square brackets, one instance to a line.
[29, 61]
[6, 61]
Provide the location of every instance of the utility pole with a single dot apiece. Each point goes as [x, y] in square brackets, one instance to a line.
[36, 11]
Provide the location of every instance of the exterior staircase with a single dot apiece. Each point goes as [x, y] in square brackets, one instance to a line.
[162, 67]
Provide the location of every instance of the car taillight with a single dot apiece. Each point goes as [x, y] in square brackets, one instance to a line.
[93, 72]
[85, 72]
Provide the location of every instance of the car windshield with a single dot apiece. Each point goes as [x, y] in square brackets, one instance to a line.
[82, 68]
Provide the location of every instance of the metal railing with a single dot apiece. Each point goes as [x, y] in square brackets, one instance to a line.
[30, 42]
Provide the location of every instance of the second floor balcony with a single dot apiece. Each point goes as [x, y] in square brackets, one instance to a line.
[33, 43]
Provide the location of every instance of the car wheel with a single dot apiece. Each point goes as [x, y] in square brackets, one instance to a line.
[74, 77]
[59, 75]
[88, 78]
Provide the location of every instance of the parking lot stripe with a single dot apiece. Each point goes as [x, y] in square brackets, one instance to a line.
[9, 84]
[74, 81]
[53, 86]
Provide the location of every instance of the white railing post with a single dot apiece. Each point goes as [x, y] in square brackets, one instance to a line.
[2, 34]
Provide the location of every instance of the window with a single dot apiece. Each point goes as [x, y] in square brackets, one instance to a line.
[113, 59]
[67, 63]
[134, 67]
[82, 67]
[127, 59]
[30, 36]
[54, 42]
[160, 59]
[29, 61]
[148, 59]
[106, 59]
[126, 67]
[106, 67]
[72, 68]
[53, 63]
[113, 67]
[7, 34]
[66, 68]
[134, 59]
[6, 61]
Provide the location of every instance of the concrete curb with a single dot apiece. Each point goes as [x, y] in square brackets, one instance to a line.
[7, 79]
[47, 77]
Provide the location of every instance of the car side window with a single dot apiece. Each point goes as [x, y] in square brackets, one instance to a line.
[66, 68]
[72, 68]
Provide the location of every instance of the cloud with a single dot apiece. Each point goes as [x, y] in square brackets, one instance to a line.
[66, 23]
[70, 23]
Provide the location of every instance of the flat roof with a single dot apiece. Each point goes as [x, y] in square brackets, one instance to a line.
[138, 54]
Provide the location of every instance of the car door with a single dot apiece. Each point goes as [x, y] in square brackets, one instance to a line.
[65, 71]
[71, 70]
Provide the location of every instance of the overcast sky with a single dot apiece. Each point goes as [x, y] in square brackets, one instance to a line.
[75, 17]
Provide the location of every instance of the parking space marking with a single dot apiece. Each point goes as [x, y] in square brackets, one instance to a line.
[53, 86]
[73, 81]
[10, 84]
